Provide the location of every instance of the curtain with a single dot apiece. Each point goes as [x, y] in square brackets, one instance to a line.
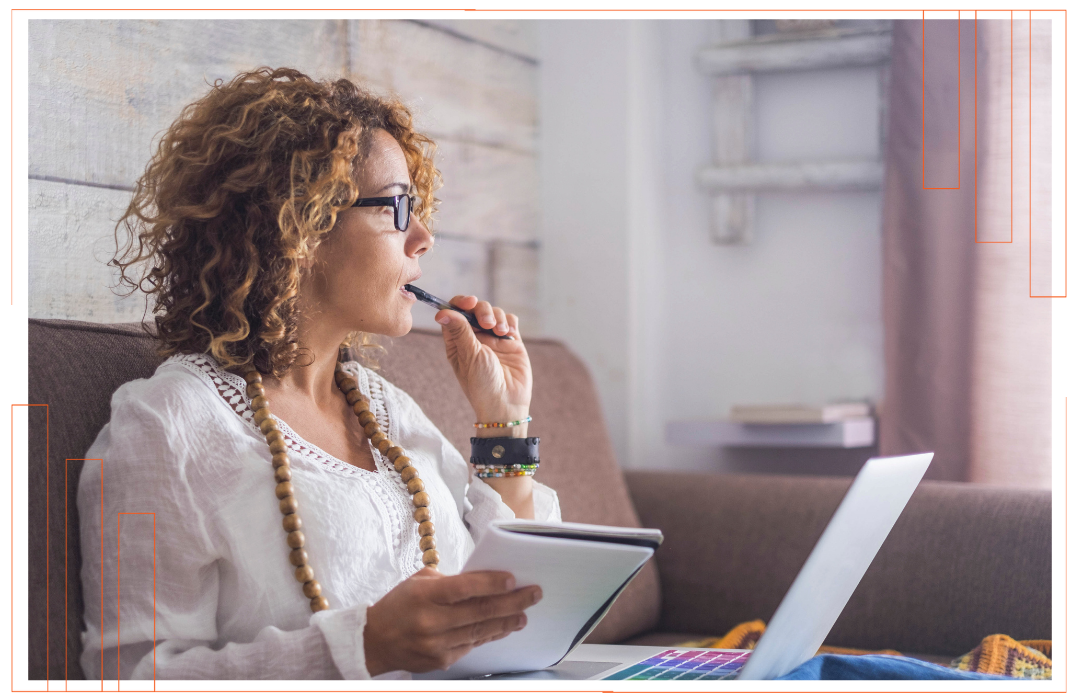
[967, 350]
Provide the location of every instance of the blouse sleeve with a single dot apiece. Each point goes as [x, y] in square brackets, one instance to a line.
[484, 504]
[154, 580]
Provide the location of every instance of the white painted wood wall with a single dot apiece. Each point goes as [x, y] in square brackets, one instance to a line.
[101, 91]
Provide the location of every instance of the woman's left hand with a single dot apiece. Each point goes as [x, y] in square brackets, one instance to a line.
[494, 373]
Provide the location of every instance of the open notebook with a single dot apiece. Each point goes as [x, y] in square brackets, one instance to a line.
[581, 569]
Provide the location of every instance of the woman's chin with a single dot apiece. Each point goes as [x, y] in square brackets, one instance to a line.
[393, 329]
[403, 327]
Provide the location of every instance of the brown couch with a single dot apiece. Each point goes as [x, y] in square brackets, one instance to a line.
[962, 562]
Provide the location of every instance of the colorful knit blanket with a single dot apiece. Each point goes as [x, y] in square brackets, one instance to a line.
[997, 654]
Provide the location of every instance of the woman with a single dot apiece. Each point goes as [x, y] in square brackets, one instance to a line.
[277, 223]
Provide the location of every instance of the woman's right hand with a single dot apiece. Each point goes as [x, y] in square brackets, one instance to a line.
[429, 621]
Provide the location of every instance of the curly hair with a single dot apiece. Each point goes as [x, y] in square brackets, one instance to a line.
[244, 185]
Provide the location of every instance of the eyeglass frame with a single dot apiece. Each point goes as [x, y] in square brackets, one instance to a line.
[392, 201]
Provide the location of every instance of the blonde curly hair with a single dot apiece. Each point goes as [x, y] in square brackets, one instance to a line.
[244, 185]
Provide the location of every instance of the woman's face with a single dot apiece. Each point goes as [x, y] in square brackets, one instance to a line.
[359, 270]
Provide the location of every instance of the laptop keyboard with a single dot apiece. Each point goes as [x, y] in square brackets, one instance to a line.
[685, 665]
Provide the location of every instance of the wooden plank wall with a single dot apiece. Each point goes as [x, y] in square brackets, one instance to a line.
[100, 91]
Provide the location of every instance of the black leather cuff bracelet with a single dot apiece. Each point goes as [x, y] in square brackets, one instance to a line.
[505, 450]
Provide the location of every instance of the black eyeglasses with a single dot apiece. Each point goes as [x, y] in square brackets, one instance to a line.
[402, 213]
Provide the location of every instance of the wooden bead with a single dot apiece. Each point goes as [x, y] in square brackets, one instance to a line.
[253, 377]
[285, 491]
[287, 505]
[304, 573]
[298, 557]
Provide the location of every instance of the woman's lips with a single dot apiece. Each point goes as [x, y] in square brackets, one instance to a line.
[407, 293]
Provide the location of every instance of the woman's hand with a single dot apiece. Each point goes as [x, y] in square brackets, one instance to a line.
[429, 621]
[494, 373]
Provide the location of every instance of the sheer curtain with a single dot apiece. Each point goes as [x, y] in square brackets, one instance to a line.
[967, 350]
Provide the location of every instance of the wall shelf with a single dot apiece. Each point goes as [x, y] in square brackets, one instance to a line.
[793, 52]
[733, 179]
[809, 175]
[853, 432]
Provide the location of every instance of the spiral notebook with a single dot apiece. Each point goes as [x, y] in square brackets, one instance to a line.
[581, 568]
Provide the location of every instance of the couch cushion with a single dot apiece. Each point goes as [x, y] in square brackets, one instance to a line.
[962, 562]
[75, 367]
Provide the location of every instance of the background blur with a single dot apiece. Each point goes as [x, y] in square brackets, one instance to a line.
[577, 157]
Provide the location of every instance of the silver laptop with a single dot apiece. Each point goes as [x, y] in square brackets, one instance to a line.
[808, 611]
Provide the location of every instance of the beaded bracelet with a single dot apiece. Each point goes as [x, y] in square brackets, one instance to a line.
[511, 424]
[486, 471]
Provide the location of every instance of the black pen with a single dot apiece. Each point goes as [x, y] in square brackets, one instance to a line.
[436, 302]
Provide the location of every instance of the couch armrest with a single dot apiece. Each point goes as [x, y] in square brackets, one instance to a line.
[963, 561]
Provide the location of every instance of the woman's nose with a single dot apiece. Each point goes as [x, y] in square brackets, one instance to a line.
[420, 237]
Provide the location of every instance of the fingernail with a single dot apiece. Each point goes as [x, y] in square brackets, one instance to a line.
[510, 583]
[501, 328]
[444, 320]
[537, 595]
[521, 621]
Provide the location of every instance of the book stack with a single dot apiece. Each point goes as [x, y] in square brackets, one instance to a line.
[795, 413]
[849, 424]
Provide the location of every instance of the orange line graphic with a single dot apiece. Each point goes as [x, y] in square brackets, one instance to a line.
[958, 102]
[70, 459]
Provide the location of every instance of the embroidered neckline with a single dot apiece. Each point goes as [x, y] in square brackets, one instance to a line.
[394, 494]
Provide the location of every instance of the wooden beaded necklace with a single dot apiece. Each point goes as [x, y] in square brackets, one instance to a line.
[287, 503]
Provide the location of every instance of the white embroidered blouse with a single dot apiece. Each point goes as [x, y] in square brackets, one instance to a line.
[183, 446]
